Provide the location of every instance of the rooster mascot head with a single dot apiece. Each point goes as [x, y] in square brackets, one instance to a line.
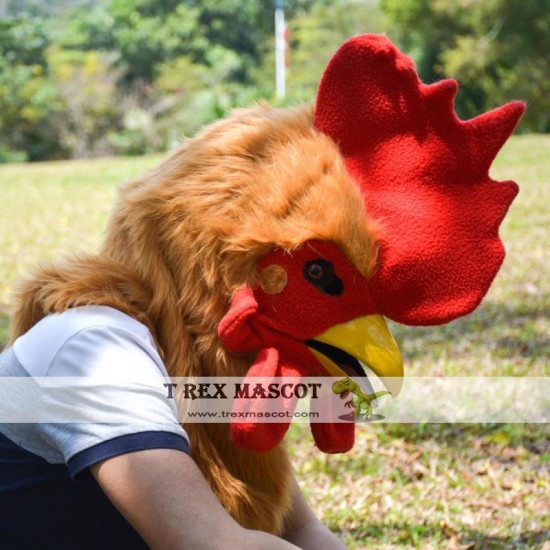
[272, 244]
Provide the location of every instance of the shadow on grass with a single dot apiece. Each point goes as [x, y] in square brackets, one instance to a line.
[534, 437]
[510, 326]
[421, 536]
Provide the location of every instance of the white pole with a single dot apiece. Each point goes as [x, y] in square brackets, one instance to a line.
[280, 45]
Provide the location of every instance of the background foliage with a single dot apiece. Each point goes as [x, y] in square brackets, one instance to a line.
[81, 78]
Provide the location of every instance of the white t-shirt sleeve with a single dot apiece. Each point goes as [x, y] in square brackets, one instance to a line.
[118, 398]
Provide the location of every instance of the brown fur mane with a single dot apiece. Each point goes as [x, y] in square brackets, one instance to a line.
[186, 236]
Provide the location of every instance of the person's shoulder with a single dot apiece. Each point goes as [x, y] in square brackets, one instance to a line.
[67, 342]
[67, 323]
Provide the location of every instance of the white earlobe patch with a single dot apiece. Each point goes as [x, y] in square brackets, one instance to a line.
[273, 279]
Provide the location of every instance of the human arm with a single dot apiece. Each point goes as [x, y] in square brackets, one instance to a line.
[164, 496]
[304, 529]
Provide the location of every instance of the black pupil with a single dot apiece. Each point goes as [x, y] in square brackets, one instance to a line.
[320, 273]
[316, 271]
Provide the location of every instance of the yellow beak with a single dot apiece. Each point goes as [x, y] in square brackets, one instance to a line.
[368, 340]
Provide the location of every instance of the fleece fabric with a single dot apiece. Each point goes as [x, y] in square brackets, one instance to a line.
[424, 175]
[279, 325]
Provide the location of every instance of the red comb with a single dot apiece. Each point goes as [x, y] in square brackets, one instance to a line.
[424, 176]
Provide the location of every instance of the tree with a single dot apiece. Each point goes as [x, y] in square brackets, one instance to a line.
[39, 8]
[497, 49]
[86, 84]
[28, 101]
[317, 34]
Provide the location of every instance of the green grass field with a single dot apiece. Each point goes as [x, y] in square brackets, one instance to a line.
[402, 486]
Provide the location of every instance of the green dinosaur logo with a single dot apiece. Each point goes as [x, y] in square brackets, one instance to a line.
[360, 401]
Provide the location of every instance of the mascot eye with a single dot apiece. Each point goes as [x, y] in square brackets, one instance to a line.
[320, 273]
[315, 271]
